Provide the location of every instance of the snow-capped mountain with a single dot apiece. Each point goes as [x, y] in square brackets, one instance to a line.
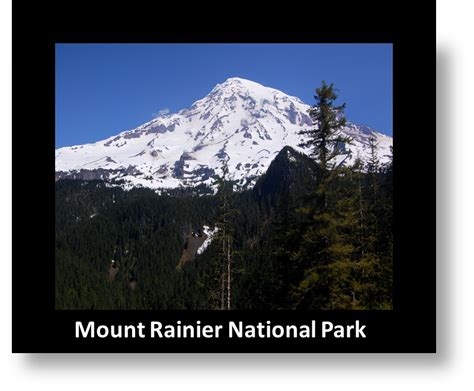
[241, 121]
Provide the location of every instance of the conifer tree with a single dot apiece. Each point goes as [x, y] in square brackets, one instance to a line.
[373, 204]
[225, 236]
[321, 245]
[373, 167]
[325, 141]
[357, 170]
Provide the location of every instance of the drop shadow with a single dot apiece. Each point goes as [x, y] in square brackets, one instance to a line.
[445, 153]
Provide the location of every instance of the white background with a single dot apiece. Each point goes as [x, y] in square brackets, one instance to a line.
[452, 366]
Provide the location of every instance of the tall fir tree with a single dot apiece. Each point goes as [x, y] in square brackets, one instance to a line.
[324, 139]
[321, 246]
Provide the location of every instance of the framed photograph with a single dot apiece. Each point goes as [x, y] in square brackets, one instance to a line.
[258, 190]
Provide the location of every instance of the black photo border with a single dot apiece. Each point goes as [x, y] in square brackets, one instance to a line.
[409, 26]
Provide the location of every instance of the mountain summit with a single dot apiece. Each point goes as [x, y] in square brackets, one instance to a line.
[240, 120]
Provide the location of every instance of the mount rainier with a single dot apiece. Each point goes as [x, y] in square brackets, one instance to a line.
[239, 120]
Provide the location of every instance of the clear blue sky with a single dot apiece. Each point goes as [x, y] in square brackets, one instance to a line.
[103, 89]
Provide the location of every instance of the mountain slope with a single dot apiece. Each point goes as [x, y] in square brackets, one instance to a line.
[290, 171]
[239, 120]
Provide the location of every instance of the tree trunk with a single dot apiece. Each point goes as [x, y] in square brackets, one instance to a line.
[229, 275]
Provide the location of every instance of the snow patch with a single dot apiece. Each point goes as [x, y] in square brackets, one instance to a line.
[210, 233]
